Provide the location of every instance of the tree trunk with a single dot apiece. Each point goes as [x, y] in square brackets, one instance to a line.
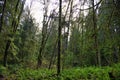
[59, 38]
[53, 55]
[70, 17]
[14, 25]
[40, 54]
[6, 53]
[98, 56]
[2, 17]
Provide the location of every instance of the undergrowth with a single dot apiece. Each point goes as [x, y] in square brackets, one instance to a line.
[87, 73]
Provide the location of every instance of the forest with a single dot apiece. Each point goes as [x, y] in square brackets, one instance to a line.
[73, 40]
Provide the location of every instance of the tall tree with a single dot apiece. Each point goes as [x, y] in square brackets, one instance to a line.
[59, 38]
[14, 25]
[44, 33]
[95, 35]
[28, 35]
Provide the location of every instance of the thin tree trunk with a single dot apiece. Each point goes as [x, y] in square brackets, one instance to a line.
[95, 36]
[6, 53]
[42, 44]
[45, 37]
[44, 32]
[40, 53]
[70, 17]
[53, 55]
[2, 17]
[66, 36]
[59, 39]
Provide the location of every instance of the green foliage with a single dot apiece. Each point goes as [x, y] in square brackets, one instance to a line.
[87, 73]
[26, 40]
[4, 71]
[79, 51]
[68, 59]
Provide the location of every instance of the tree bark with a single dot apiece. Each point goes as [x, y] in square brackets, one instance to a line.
[98, 59]
[53, 55]
[2, 17]
[59, 39]
[44, 35]
[6, 53]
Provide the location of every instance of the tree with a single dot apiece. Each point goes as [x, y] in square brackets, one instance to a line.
[28, 46]
[59, 38]
[108, 22]
[95, 36]
[44, 34]
[14, 24]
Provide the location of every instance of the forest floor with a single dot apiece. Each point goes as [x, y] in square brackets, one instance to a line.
[77, 73]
